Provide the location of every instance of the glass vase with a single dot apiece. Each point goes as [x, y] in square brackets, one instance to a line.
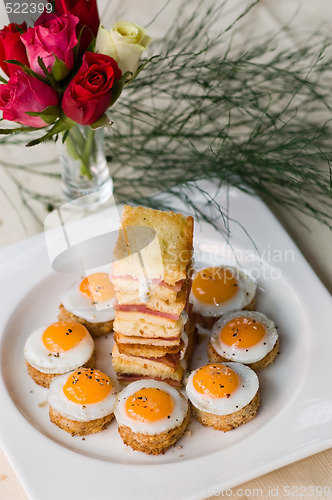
[84, 166]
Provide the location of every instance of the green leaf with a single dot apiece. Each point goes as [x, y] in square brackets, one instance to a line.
[64, 137]
[59, 126]
[3, 80]
[49, 115]
[27, 70]
[116, 91]
[50, 78]
[77, 46]
[59, 69]
[17, 130]
[103, 121]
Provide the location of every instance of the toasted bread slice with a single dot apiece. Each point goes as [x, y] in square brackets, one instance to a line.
[155, 303]
[163, 343]
[145, 325]
[162, 252]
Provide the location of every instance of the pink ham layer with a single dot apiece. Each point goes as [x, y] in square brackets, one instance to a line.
[166, 339]
[141, 308]
[177, 287]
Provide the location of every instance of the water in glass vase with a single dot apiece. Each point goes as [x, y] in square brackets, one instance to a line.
[84, 166]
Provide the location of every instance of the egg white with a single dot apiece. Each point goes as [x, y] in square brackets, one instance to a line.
[242, 396]
[246, 290]
[178, 414]
[255, 353]
[75, 411]
[38, 356]
[83, 307]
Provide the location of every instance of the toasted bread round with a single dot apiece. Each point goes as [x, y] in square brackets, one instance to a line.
[77, 428]
[156, 443]
[44, 379]
[229, 422]
[215, 357]
[95, 329]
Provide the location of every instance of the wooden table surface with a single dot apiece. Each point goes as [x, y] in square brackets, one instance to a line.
[315, 241]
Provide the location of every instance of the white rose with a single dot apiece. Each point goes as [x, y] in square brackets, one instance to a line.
[125, 42]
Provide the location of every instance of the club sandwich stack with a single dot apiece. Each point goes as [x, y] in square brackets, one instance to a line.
[151, 274]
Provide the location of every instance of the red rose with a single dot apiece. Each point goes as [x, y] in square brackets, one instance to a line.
[87, 12]
[52, 35]
[24, 93]
[11, 47]
[89, 93]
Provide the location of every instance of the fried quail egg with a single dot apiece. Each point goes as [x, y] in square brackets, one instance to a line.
[218, 290]
[150, 407]
[83, 395]
[222, 389]
[91, 299]
[244, 336]
[59, 348]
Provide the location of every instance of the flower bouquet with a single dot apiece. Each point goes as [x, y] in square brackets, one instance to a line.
[64, 74]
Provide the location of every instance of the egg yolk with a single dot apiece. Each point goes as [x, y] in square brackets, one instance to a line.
[86, 386]
[149, 405]
[63, 335]
[242, 332]
[214, 285]
[216, 381]
[97, 287]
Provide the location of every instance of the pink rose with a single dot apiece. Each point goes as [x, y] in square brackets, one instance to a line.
[89, 93]
[22, 94]
[87, 12]
[51, 36]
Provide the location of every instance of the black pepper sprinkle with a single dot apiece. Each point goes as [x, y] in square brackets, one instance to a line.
[247, 350]
[228, 396]
[70, 330]
[168, 416]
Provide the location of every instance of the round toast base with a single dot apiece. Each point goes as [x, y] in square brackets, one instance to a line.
[78, 428]
[215, 357]
[229, 422]
[156, 443]
[95, 329]
[44, 379]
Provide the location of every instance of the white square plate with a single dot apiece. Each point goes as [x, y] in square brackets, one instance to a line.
[295, 416]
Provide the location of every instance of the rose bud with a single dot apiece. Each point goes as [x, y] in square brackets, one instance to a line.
[24, 93]
[125, 42]
[52, 37]
[87, 12]
[89, 93]
[11, 47]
